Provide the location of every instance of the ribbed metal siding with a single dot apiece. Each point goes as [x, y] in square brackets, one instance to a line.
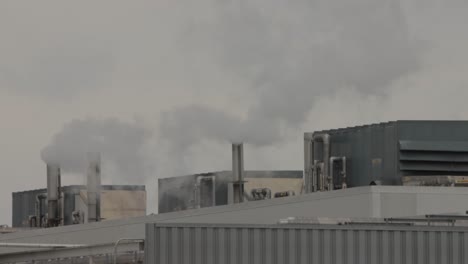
[389, 151]
[232, 245]
[23, 205]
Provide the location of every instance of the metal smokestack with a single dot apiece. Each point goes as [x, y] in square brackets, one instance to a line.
[53, 194]
[94, 187]
[237, 173]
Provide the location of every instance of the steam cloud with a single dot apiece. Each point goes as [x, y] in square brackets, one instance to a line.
[293, 53]
[121, 144]
[288, 53]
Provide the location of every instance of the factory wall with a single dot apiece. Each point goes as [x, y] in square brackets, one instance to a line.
[320, 244]
[117, 201]
[386, 152]
[177, 193]
[118, 204]
[23, 205]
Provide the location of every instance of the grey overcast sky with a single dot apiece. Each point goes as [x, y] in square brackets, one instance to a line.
[162, 87]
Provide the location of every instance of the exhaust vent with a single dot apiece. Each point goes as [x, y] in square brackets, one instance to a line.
[434, 157]
[237, 185]
[94, 187]
[53, 195]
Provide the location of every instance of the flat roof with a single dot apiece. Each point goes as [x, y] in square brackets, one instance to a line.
[368, 201]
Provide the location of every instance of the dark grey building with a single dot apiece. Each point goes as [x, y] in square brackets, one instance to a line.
[26, 203]
[393, 153]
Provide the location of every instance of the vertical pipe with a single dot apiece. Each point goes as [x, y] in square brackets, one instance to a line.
[315, 176]
[94, 187]
[238, 172]
[344, 184]
[53, 176]
[306, 179]
[326, 158]
[342, 172]
[325, 139]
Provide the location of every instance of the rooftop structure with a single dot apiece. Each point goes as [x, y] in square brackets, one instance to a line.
[360, 202]
[118, 201]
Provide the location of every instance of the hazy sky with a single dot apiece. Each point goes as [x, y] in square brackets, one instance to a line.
[162, 87]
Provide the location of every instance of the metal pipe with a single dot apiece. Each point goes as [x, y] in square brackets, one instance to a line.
[344, 185]
[308, 164]
[31, 245]
[315, 176]
[139, 240]
[238, 173]
[322, 176]
[198, 190]
[53, 194]
[309, 160]
[94, 187]
[325, 139]
[39, 212]
[342, 172]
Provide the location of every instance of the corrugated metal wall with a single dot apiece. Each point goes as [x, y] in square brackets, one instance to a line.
[388, 151]
[24, 205]
[169, 244]
[177, 193]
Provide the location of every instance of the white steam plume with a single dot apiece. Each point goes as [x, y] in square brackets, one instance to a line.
[293, 53]
[122, 146]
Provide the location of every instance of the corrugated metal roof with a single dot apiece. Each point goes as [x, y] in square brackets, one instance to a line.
[369, 201]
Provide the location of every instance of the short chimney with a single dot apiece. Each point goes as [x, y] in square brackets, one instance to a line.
[53, 194]
[94, 187]
[237, 195]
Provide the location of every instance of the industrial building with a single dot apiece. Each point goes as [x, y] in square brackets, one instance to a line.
[392, 153]
[371, 203]
[384, 193]
[211, 189]
[117, 201]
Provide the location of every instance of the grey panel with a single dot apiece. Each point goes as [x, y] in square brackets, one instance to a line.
[421, 166]
[321, 244]
[177, 193]
[388, 151]
[449, 146]
[24, 205]
[433, 156]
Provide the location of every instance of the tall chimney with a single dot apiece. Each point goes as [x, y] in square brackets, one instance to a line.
[237, 173]
[53, 194]
[94, 187]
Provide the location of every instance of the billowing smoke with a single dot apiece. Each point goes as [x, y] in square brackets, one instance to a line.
[289, 57]
[122, 146]
[289, 54]
[292, 53]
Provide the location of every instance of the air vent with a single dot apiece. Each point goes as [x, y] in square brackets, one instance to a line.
[435, 156]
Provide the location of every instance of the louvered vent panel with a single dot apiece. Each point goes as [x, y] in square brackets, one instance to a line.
[437, 156]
